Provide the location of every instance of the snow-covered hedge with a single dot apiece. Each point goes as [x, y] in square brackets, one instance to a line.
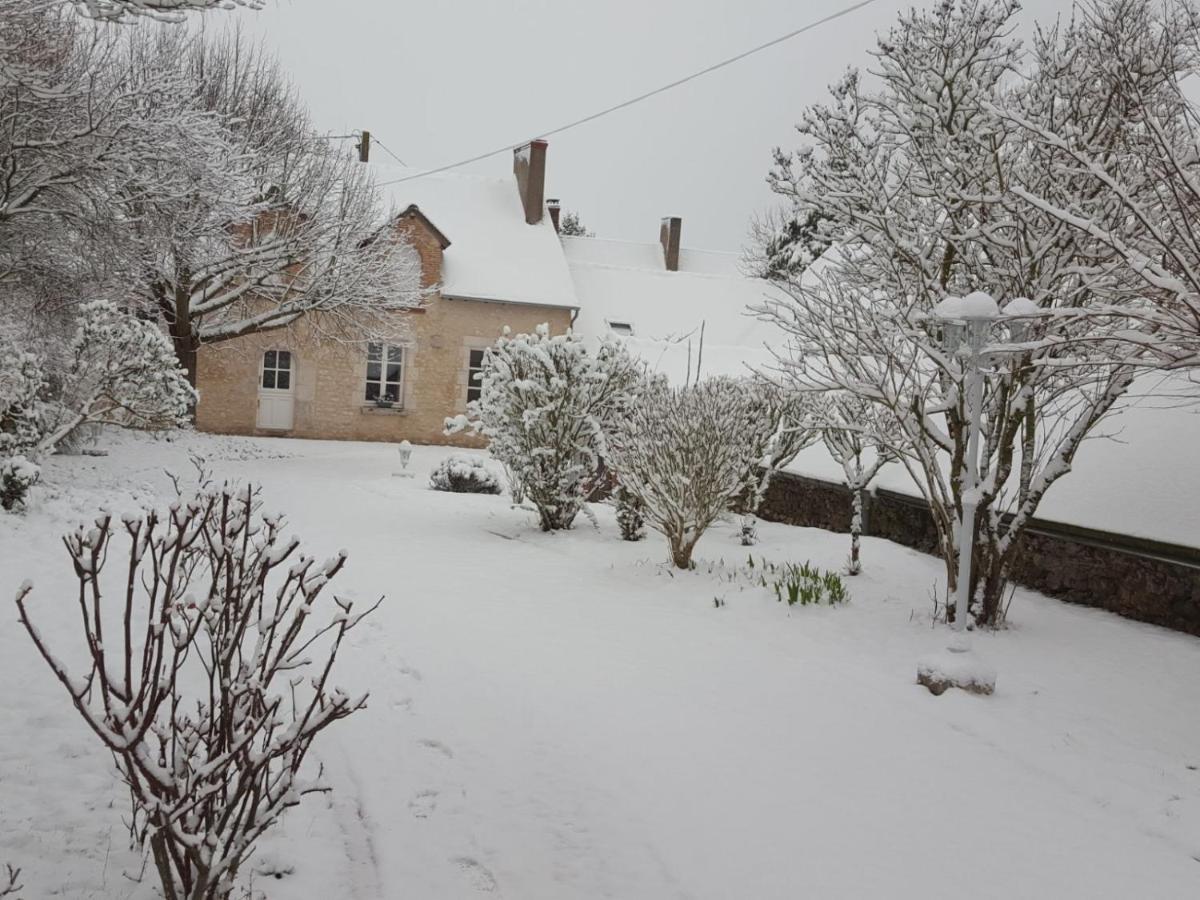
[547, 404]
[462, 474]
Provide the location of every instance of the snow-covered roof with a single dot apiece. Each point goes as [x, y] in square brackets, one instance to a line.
[624, 288]
[493, 254]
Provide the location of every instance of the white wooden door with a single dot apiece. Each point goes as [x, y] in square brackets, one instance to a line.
[276, 399]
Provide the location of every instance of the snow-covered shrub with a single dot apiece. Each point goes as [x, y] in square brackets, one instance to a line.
[462, 474]
[207, 676]
[120, 370]
[116, 370]
[17, 476]
[21, 422]
[22, 382]
[546, 406]
[687, 454]
[631, 518]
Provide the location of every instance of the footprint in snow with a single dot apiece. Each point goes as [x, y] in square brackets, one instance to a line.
[436, 747]
[479, 876]
[423, 803]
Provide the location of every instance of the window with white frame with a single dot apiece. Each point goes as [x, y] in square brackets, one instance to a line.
[474, 374]
[277, 370]
[385, 374]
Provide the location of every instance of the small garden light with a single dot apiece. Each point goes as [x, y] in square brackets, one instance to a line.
[405, 450]
[1020, 313]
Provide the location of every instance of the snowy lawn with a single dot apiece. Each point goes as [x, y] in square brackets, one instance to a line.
[559, 716]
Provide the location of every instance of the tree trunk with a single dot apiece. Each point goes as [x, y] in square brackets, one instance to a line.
[162, 862]
[855, 532]
[184, 334]
[187, 346]
[681, 552]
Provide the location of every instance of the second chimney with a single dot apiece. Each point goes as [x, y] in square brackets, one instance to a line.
[555, 209]
[668, 235]
[529, 165]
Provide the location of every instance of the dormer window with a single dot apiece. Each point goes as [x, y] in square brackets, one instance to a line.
[624, 329]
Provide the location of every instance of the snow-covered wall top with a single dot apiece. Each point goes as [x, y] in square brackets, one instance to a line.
[494, 254]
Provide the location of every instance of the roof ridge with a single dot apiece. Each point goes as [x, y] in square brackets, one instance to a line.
[737, 276]
[580, 237]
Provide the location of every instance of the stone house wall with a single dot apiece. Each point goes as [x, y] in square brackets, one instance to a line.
[330, 377]
[1140, 579]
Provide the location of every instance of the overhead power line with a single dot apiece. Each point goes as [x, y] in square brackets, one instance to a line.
[387, 150]
[854, 7]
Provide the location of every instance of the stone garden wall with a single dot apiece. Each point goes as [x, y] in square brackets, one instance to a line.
[1140, 579]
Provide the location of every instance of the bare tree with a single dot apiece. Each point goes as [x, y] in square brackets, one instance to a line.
[923, 188]
[1140, 186]
[208, 680]
[268, 225]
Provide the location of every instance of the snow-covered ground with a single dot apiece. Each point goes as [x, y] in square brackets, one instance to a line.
[558, 716]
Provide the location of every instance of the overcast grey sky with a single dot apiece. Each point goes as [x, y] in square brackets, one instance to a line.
[439, 81]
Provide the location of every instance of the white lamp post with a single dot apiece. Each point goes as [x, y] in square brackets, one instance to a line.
[966, 322]
[965, 325]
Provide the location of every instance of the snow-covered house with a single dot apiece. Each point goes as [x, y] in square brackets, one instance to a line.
[491, 257]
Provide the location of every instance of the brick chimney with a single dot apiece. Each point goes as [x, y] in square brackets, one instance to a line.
[529, 165]
[555, 211]
[668, 236]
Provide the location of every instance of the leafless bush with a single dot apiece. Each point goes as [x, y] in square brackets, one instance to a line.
[207, 680]
[686, 454]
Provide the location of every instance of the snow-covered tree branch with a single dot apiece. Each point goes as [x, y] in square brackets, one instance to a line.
[269, 225]
[1125, 61]
[163, 10]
